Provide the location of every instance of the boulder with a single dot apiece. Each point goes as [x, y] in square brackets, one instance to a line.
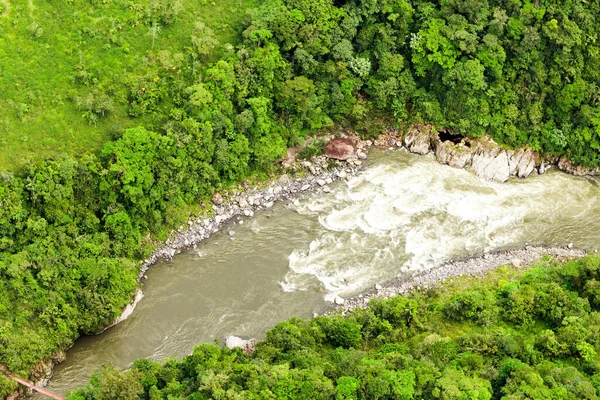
[217, 199]
[418, 139]
[234, 341]
[283, 179]
[454, 155]
[340, 149]
[522, 162]
[567, 165]
[490, 161]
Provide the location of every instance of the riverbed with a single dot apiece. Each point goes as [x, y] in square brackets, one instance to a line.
[402, 213]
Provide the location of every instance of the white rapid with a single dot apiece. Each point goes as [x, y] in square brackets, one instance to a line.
[403, 212]
[411, 213]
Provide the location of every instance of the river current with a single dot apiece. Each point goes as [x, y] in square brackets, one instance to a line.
[402, 213]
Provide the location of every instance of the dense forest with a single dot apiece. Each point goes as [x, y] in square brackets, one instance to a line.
[512, 335]
[218, 108]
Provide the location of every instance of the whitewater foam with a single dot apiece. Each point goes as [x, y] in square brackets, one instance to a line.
[410, 214]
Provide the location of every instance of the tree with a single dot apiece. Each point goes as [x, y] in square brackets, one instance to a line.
[154, 31]
[203, 40]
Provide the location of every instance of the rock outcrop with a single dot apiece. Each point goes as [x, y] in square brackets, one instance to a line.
[454, 155]
[247, 345]
[483, 156]
[522, 162]
[340, 149]
[490, 162]
[418, 139]
[43, 370]
[566, 165]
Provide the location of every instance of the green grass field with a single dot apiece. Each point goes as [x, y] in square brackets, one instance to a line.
[44, 43]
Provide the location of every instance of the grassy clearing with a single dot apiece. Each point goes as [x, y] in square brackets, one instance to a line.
[42, 46]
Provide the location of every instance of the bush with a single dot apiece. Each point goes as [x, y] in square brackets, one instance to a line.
[341, 332]
[313, 148]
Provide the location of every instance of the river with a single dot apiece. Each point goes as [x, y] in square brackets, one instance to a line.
[403, 212]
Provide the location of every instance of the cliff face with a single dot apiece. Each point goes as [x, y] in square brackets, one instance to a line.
[486, 158]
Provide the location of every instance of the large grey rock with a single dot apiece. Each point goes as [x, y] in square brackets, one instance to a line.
[491, 163]
[418, 140]
[522, 162]
[454, 155]
[217, 199]
[234, 341]
[283, 179]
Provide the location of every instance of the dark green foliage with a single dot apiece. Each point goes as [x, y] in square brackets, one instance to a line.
[341, 332]
[473, 305]
[436, 353]
[313, 148]
[111, 384]
[205, 114]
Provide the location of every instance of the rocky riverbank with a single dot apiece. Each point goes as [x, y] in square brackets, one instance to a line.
[228, 207]
[474, 266]
[471, 266]
[344, 157]
[484, 157]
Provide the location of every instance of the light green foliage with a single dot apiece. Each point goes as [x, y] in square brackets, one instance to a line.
[346, 388]
[455, 385]
[111, 384]
[64, 84]
[7, 386]
[165, 102]
[203, 39]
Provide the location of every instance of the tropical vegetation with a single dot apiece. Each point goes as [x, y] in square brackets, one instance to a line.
[118, 117]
